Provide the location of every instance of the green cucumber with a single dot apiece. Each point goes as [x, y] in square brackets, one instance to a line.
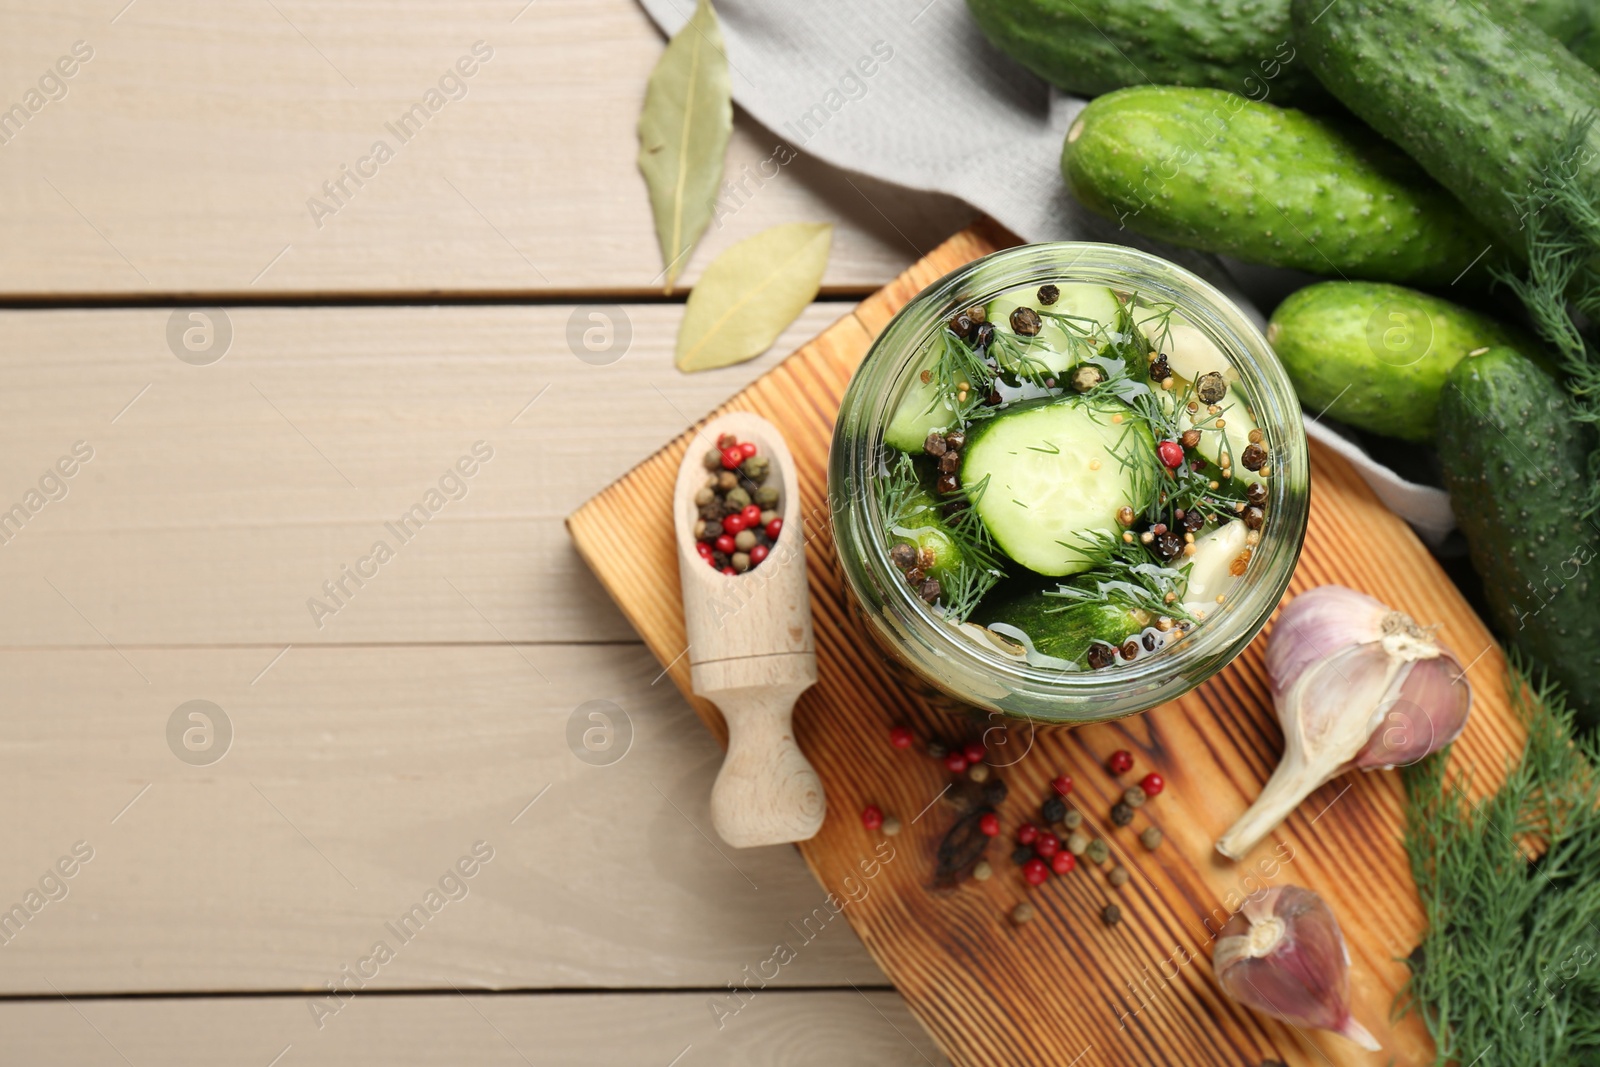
[1515, 461]
[1211, 170]
[1090, 47]
[1375, 356]
[921, 524]
[1479, 102]
[1051, 346]
[924, 408]
[1059, 628]
[1043, 474]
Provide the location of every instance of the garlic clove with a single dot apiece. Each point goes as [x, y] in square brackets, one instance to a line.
[1316, 624]
[1321, 737]
[1429, 713]
[1284, 955]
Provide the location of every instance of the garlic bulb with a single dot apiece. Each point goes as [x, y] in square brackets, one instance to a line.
[1284, 955]
[1356, 684]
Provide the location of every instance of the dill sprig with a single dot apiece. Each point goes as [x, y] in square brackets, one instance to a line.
[1125, 574]
[1510, 960]
[906, 506]
[1563, 223]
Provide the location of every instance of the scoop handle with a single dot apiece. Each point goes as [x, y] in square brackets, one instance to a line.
[767, 792]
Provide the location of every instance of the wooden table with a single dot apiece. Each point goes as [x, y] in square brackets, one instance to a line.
[344, 362]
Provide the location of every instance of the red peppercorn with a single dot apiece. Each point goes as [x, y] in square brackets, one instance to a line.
[1047, 845]
[1035, 872]
[774, 528]
[899, 736]
[1063, 862]
[751, 514]
[1121, 761]
[748, 449]
[757, 554]
[955, 762]
[1027, 834]
[1152, 784]
[872, 817]
[713, 561]
[733, 523]
[732, 457]
[704, 548]
[1171, 453]
[729, 571]
[1062, 785]
[989, 824]
[725, 544]
[973, 750]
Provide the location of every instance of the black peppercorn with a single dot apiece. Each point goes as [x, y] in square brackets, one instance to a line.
[915, 575]
[1025, 322]
[1167, 545]
[947, 484]
[1130, 648]
[1100, 656]
[1192, 521]
[1121, 813]
[995, 792]
[961, 325]
[950, 462]
[1149, 642]
[934, 445]
[1021, 855]
[1161, 370]
[903, 556]
[982, 334]
[955, 440]
[1049, 294]
[929, 590]
[1253, 517]
[953, 508]
[1053, 810]
[1256, 494]
[1211, 387]
[1253, 457]
[713, 531]
[937, 749]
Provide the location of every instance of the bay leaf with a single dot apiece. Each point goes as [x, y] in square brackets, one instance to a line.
[750, 293]
[683, 136]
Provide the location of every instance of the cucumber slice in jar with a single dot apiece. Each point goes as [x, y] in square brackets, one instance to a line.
[1234, 434]
[1051, 628]
[1189, 351]
[1045, 476]
[1094, 303]
[924, 408]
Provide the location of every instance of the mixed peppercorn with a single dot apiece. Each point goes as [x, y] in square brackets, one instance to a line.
[1038, 850]
[737, 522]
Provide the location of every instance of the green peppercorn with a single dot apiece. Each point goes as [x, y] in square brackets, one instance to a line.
[703, 496]
[740, 561]
[1072, 819]
[1151, 838]
[1118, 876]
[767, 495]
[1133, 797]
[1023, 913]
[1077, 841]
[768, 516]
[890, 827]
[978, 772]
[982, 872]
[745, 540]
[1098, 851]
[1112, 915]
[712, 460]
[738, 497]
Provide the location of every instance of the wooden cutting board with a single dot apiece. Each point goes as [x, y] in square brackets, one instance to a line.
[1066, 988]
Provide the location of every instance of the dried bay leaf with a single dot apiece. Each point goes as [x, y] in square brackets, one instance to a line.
[750, 293]
[683, 135]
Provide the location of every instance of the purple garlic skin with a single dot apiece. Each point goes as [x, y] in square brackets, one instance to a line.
[1355, 684]
[1284, 956]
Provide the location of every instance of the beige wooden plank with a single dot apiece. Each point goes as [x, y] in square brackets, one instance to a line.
[218, 504]
[186, 153]
[787, 1028]
[355, 779]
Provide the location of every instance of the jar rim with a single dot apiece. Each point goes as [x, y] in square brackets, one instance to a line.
[957, 663]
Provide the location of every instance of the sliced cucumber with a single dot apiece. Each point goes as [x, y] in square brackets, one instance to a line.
[1211, 567]
[1051, 346]
[921, 523]
[1044, 475]
[1061, 630]
[924, 408]
[1235, 432]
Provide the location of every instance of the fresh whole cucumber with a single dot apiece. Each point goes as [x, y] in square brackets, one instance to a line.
[1094, 46]
[1480, 102]
[1376, 356]
[1515, 462]
[1211, 170]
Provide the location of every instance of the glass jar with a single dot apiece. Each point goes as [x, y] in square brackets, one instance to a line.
[959, 665]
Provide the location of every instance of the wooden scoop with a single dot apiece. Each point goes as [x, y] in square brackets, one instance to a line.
[751, 653]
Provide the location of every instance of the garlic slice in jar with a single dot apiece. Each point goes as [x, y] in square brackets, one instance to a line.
[1212, 565]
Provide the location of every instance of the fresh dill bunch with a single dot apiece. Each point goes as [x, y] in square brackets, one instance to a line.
[1016, 356]
[898, 485]
[1126, 575]
[960, 596]
[1508, 970]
